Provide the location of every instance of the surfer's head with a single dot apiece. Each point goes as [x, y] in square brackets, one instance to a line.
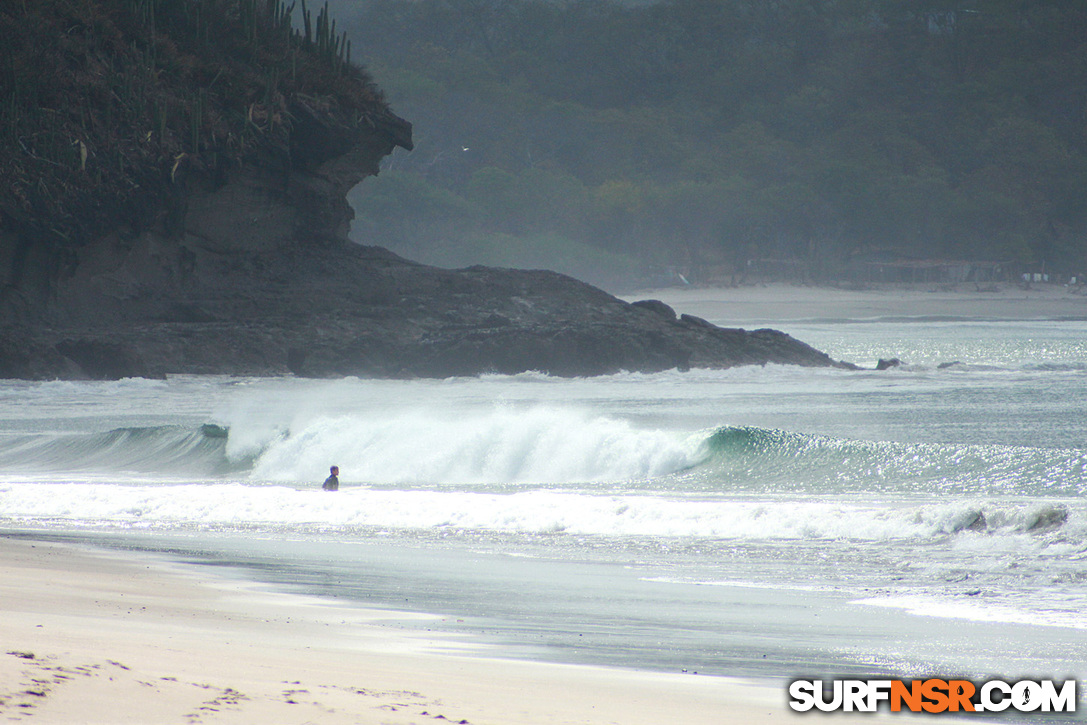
[335, 470]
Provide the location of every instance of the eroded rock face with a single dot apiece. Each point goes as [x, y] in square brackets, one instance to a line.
[343, 309]
[255, 276]
[253, 299]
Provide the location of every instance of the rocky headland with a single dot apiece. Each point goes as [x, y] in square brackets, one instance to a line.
[197, 223]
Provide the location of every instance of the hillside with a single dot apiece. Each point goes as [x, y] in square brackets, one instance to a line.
[176, 174]
[619, 139]
[112, 112]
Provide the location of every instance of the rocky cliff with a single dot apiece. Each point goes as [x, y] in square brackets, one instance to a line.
[213, 239]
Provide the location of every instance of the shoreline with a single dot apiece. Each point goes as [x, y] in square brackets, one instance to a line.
[779, 302]
[85, 630]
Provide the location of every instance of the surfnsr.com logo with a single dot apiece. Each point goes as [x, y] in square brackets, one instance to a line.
[933, 695]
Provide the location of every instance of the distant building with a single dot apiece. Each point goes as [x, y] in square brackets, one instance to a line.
[880, 266]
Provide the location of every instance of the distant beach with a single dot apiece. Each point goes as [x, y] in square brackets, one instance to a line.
[767, 303]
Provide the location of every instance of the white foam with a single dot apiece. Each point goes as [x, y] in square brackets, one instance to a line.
[534, 511]
[741, 584]
[499, 445]
[977, 610]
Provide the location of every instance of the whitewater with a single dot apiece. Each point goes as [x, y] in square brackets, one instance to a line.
[782, 521]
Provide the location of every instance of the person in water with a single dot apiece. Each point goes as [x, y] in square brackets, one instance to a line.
[332, 483]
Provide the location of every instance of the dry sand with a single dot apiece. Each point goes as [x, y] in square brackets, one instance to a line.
[95, 637]
[776, 302]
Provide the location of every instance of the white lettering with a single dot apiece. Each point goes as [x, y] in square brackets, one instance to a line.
[1026, 696]
[1064, 701]
[855, 695]
[878, 690]
[802, 693]
[933, 695]
[835, 700]
[987, 701]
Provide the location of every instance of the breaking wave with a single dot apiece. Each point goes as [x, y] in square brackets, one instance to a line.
[558, 449]
[148, 450]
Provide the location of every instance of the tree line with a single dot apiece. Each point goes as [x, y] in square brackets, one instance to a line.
[108, 108]
[613, 140]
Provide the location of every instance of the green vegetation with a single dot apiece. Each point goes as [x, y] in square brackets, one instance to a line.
[110, 108]
[705, 133]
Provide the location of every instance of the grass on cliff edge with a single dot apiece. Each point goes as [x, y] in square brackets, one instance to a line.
[108, 106]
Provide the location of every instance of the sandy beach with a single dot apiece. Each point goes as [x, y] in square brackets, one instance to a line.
[95, 637]
[780, 302]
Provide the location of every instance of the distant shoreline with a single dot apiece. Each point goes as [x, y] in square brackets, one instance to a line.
[771, 303]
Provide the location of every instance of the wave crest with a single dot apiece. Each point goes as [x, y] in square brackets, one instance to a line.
[503, 446]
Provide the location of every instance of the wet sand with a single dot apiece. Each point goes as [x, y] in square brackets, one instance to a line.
[100, 637]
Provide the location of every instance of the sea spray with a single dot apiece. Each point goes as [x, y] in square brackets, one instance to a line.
[242, 506]
[505, 446]
[541, 445]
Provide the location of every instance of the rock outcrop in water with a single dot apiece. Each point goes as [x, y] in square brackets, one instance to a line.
[342, 309]
[234, 259]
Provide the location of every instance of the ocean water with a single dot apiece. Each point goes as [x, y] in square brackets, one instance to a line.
[769, 521]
